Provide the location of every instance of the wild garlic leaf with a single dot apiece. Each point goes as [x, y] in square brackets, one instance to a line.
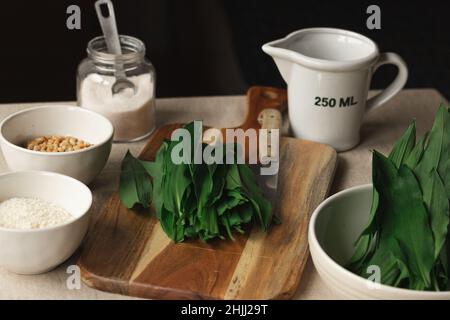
[181, 183]
[371, 227]
[219, 184]
[391, 263]
[400, 248]
[195, 132]
[152, 168]
[168, 224]
[404, 217]
[157, 172]
[364, 245]
[199, 200]
[226, 224]
[262, 205]
[445, 257]
[437, 203]
[416, 153]
[233, 179]
[363, 250]
[442, 267]
[437, 151]
[407, 234]
[403, 146]
[444, 161]
[135, 184]
[203, 195]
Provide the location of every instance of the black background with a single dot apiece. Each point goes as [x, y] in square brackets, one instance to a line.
[209, 47]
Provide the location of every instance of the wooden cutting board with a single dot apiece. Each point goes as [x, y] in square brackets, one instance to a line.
[127, 252]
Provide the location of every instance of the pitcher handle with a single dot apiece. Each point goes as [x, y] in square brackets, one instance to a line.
[396, 85]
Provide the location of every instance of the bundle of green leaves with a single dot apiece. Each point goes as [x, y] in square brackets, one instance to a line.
[203, 200]
[407, 235]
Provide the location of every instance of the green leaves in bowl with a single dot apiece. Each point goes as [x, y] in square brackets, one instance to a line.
[191, 200]
[407, 236]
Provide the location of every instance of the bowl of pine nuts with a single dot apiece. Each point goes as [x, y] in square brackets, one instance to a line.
[60, 138]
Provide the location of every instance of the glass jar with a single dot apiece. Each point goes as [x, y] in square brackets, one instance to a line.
[132, 112]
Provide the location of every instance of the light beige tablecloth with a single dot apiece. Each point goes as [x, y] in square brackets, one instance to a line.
[381, 128]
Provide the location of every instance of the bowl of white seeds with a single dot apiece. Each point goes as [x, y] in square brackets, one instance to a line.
[60, 138]
[44, 217]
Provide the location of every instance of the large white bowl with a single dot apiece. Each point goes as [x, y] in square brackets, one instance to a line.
[334, 227]
[61, 120]
[40, 250]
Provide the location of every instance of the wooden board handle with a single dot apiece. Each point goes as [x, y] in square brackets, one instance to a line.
[270, 119]
[262, 98]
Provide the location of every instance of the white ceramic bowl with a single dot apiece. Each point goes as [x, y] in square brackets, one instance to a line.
[62, 120]
[334, 227]
[40, 250]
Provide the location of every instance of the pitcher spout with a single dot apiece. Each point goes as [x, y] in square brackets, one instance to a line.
[279, 55]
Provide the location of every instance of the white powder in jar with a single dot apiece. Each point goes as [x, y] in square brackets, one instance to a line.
[31, 213]
[132, 114]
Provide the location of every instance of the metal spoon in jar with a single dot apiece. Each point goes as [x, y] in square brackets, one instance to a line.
[109, 28]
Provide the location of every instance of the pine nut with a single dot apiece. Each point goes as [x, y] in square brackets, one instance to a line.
[57, 144]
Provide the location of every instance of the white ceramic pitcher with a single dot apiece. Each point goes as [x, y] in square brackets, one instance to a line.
[328, 73]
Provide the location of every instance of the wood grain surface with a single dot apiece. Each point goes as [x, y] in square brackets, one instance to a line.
[127, 252]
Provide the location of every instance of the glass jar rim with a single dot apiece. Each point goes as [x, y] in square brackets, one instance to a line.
[133, 48]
